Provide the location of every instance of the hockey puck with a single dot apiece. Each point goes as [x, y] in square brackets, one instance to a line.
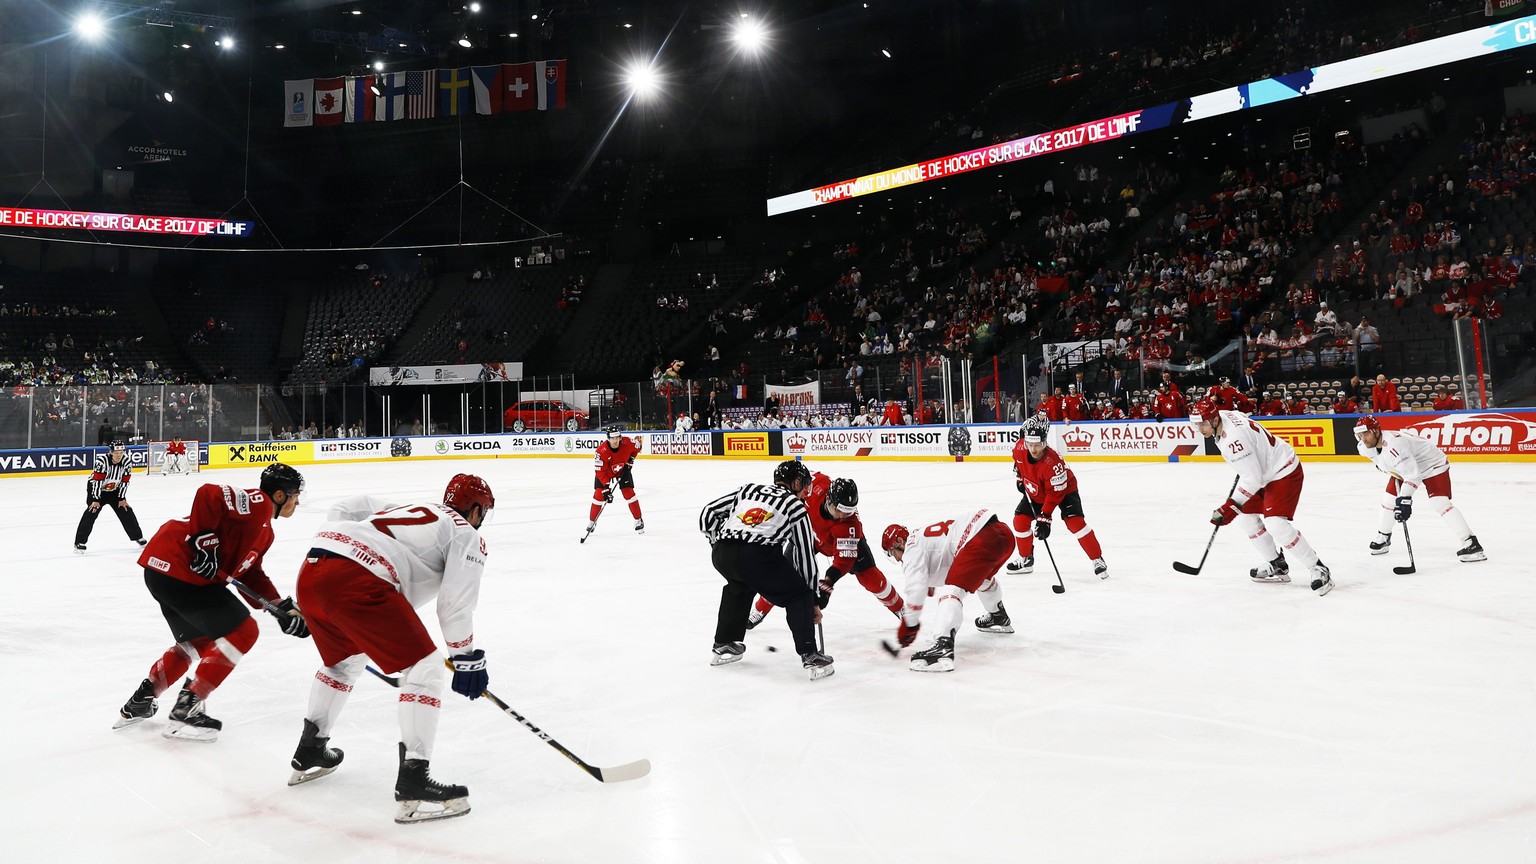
[771, 648]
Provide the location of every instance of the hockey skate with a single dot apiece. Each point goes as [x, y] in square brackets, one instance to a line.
[1275, 571]
[1473, 551]
[639, 526]
[938, 657]
[1023, 565]
[79, 548]
[1381, 544]
[141, 706]
[727, 652]
[1100, 569]
[755, 617]
[995, 622]
[190, 720]
[817, 663]
[423, 799]
[1322, 579]
[142, 542]
[313, 760]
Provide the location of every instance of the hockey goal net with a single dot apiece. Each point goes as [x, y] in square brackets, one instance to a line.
[163, 461]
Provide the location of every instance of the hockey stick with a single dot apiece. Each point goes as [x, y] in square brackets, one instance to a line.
[1195, 570]
[265, 603]
[1060, 587]
[617, 774]
[1404, 571]
[600, 509]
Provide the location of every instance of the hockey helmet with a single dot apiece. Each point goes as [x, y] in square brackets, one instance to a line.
[787, 472]
[844, 496]
[614, 432]
[1367, 423]
[119, 445]
[1205, 411]
[465, 491]
[1036, 430]
[893, 537]
[279, 476]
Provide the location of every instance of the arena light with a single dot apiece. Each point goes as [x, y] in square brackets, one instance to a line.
[474, 7]
[90, 26]
[227, 43]
[642, 80]
[168, 96]
[464, 42]
[749, 35]
[378, 65]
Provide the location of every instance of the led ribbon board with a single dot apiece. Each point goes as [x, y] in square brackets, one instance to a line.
[22, 217]
[1478, 42]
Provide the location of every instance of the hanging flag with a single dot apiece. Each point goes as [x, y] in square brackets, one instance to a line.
[389, 104]
[359, 108]
[421, 95]
[299, 101]
[519, 90]
[454, 94]
[487, 86]
[328, 101]
[551, 78]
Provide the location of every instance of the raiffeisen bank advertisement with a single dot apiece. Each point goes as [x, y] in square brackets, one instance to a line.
[1477, 42]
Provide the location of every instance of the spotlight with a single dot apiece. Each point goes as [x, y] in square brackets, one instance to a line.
[749, 35]
[279, 46]
[90, 26]
[534, 16]
[227, 42]
[357, 11]
[886, 52]
[464, 42]
[642, 80]
[374, 89]
[187, 46]
[474, 7]
[378, 65]
[511, 35]
[169, 96]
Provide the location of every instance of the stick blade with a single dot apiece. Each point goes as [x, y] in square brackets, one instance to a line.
[619, 774]
[1404, 571]
[891, 648]
[1185, 568]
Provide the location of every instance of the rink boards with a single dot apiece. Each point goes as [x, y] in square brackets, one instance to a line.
[1497, 436]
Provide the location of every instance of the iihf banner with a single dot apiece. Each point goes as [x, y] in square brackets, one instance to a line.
[1478, 42]
[82, 220]
[299, 102]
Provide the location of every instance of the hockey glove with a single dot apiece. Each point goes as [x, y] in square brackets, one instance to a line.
[469, 675]
[1019, 484]
[1043, 528]
[289, 619]
[607, 494]
[907, 635]
[205, 555]
[824, 587]
[1403, 508]
[1225, 513]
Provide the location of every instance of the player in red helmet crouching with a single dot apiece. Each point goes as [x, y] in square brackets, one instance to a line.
[946, 561]
[1263, 500]
[370, 567]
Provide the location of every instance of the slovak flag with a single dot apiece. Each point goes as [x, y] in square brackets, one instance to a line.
[519, 90]
[487, 84]
[359, 107]
[551, 77]
[328, 101]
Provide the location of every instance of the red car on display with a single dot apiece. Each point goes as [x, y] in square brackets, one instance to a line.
[543, 414]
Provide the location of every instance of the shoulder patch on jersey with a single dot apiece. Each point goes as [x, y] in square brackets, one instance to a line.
[157, 564]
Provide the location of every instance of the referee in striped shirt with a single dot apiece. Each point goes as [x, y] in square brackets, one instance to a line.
[763, 544]
[108, 488]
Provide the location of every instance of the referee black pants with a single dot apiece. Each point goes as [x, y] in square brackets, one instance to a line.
[753, 568]
[125, 515]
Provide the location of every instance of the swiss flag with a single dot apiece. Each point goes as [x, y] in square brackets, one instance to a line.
[328, 101]
[520, 87]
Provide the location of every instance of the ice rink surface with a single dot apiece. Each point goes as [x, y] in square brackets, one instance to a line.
[1150, 717]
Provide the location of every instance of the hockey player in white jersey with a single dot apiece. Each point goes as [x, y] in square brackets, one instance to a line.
[1409, 463]
[946, 561]
[1263, 503]
[371, 566]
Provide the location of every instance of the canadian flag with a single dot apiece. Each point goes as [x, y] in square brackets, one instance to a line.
[328, 101]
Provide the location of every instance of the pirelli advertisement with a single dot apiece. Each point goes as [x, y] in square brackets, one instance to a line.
[1502, 436]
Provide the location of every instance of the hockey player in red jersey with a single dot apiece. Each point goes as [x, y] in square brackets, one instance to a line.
[1047, 483]
[1075, 405]
[613, 460]
[187, 565]
[1410, 462]
[946, 561]
[371, 566]
[176, 456]
[1263, 502]
[833, 506]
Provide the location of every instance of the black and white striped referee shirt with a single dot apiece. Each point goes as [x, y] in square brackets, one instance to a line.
[108, 477]
[768, 516]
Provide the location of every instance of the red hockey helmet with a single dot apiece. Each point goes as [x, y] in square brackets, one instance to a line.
[465, 491]
[1205, 411]
[893, 537]
[1367, 423]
